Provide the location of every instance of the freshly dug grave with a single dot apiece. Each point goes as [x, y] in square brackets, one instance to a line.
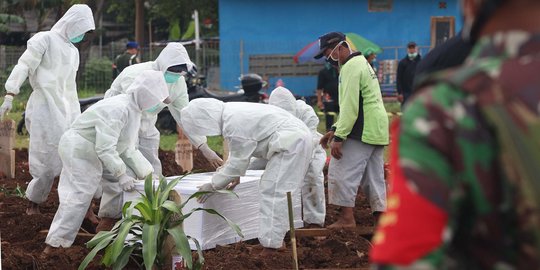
[22, 243]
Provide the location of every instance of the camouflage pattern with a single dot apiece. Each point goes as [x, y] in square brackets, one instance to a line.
[470, 144]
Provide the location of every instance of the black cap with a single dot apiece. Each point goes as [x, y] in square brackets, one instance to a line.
[411, 44]
[327, 40]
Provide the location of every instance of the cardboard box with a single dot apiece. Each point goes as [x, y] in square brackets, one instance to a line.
[211, 230]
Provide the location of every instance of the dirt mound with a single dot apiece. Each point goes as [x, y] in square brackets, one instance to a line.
[22, 243]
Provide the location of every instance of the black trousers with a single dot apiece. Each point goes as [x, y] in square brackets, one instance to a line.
[330, 108]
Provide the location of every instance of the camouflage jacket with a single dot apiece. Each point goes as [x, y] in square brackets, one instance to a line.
[460, 196]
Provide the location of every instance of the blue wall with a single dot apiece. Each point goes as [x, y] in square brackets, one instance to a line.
[286, 26]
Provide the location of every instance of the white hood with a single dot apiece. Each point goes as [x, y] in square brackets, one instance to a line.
[203, 117]
[77, 21]
[172, 55]
[283, 98]
[149, 89]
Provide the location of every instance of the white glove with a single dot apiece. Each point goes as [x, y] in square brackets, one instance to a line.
[126, 182]
[6, 106]
[208, 187]
[211, 156]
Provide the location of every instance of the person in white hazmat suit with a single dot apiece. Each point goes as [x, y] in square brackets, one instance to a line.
[173, 62]
[256, 130]
[50, 62]
[313, 198]
[97, 140]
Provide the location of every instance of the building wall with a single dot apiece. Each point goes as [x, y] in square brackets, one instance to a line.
[286, 26]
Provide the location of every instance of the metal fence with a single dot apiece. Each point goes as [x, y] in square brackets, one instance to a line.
[97, 74]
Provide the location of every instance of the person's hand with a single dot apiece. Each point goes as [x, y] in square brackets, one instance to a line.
[6, 106]
[211, 156]
[208, 187]
[336, 149]
[400, 98]
[126, 182]
[326, 138]
[320, 104]
[233, 184]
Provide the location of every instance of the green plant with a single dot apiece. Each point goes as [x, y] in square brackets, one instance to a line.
[97, 75]
[17, 191]
[157, 219]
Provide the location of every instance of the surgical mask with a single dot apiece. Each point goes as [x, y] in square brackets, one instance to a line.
[77, 39]
[332, 62]
[154, 109]
[412, 55]
[172, 77]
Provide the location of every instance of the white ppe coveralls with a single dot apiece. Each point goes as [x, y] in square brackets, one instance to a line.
[313, 198]
[50, 63]
[96, 141]
[173, 54]
[262, 131]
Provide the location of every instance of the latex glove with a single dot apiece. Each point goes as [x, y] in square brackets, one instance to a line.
[211, 156]
[6, 106]
[336, 149]
[326, 139]
[126, 182]
[208, 187]
[233, 184]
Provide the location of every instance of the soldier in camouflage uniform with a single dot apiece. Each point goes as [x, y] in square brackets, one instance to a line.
[466, 157]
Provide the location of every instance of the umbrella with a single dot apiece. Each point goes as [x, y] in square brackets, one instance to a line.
[357, 42]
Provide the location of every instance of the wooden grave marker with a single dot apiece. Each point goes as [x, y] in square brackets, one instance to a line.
[7, 143]
[184, 151]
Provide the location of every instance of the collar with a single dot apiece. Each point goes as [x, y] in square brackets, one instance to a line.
[354, 54]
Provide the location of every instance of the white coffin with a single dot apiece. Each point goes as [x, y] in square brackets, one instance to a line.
[211, 230]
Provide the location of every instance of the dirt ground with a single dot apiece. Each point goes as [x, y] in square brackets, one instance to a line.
[22, 242]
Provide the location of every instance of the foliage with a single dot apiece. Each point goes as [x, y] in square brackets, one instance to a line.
[143, 234]
[17, 192]
[177, 13]
[97, 75]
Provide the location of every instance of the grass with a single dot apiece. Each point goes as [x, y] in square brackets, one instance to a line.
[168, 142]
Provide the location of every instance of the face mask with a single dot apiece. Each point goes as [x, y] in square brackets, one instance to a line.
[412, 55]
[77, 39]
[171, 77]
[154, 109]
[332, 62]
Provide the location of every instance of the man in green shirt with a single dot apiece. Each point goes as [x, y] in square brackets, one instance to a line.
[360, 134]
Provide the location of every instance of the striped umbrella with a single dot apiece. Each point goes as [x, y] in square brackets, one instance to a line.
[357, 42]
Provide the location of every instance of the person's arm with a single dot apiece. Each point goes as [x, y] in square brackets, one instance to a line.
[320, 89]
[349, 100]
[28, 63]
[320, 103]
[120, 84]
[240, 151]
[107, 134]
[419, 158]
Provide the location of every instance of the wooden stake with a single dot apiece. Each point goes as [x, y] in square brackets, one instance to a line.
[225, 150]
[7, 143]
[184, 151]
[293, 237]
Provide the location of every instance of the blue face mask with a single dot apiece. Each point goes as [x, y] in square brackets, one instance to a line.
[154, 109]
[171, 77]
[77, 39]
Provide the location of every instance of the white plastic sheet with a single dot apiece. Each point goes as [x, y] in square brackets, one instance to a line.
[211, 230]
